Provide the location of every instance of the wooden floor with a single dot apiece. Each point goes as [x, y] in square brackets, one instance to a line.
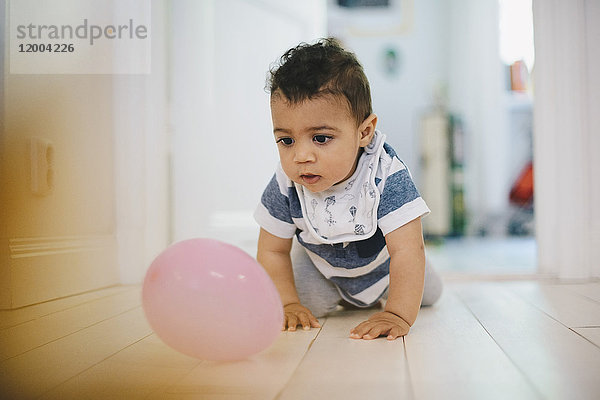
[483, 340]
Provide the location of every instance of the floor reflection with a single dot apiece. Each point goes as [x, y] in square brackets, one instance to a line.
[484, 255]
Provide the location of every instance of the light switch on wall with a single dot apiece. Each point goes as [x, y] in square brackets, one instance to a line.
[42, 172]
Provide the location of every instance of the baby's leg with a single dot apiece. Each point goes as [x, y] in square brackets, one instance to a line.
[316, 293]
[433, 286]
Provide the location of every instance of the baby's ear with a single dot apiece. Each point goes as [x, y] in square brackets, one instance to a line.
[367, 130]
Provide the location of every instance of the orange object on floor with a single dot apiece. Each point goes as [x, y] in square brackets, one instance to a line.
[522, 191]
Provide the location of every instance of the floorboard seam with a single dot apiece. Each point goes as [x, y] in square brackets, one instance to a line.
[92, 366]
[70, 334]
[66, 308]
[410, 381]
[278, 395]
[525, 376]
[570, 289]
[533, 305]
[579, 334]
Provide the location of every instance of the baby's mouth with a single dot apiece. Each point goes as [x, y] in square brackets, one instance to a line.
[310, 178]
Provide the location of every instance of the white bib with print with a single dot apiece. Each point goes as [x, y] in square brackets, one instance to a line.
[347, 211]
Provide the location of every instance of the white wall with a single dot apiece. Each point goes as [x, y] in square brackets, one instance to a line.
[223, 151]
[419, 37]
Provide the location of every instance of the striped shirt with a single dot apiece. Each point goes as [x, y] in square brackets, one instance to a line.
[359, 269]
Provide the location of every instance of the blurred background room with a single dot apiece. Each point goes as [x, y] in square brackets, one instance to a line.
[101, 171]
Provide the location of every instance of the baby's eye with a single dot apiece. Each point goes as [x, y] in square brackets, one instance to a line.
[322, 139]
[286, 141]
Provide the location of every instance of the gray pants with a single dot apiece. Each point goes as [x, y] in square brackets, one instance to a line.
[321, 296]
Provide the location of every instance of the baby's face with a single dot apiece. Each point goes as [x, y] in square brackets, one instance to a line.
[318, 140]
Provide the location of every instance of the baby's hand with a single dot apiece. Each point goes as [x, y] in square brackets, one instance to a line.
[381, 324]
[296, 314]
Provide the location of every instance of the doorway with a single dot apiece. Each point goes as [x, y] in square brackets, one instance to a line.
[451, 85]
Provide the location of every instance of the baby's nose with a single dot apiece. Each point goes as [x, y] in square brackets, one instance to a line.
[303, 154]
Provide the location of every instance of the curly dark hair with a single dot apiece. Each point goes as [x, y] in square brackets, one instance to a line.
[308, 71]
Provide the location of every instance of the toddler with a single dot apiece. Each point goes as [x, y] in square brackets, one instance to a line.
[341, 218]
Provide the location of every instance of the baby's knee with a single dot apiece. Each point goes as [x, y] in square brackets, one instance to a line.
[319, 302]
[320, 310]
[433, 287]
[431, 296]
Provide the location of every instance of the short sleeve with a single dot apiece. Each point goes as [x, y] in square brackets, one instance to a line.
[400, 200]
[273, 212]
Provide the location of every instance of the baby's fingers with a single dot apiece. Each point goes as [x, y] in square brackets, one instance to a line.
[296, 314]
[291, 321]
[361, 329]
[314, 322]
[304, 321]
[375, 332]
[371, 330]
[396, 332]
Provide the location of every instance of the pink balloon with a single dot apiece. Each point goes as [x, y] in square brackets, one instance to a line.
[211, 300]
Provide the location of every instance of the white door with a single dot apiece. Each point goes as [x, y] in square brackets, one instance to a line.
[83, 175]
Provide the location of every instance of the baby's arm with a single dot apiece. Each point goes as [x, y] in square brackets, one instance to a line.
[407, 272]
[274, 255]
